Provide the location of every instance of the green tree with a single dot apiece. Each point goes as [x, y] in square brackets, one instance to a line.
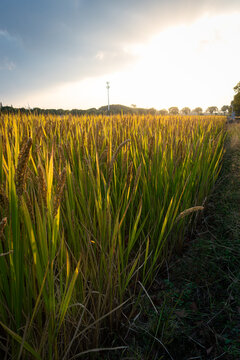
[198, 110]
[186, 110]
[173, 110]
[236, 100]
[212, 109]
[152, 111]
[237, 88]
[163, 112]
[236, 104]
[225, 108]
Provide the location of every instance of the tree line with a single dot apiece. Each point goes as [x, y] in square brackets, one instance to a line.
[174, 110]
[117, 108]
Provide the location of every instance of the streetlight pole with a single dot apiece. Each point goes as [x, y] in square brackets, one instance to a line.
[108, 87]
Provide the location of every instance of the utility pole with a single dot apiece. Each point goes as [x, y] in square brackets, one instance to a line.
[108, 87]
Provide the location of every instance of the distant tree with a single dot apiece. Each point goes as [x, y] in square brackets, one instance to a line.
[236, 100]
[212, 109]
[225, 108]
[163, 112]
[152, 111]
[91, 111]
[186, 111]
[198, 110]
[173, 110]
[134, 106]
[237, 88]
[236, 104]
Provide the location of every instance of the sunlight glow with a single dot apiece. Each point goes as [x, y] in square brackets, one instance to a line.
[189, 65]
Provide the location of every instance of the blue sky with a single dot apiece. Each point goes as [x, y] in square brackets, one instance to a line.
[60, 53]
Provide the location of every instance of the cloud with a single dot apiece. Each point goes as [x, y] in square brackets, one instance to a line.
[7, 43]
[56, 41]
[4, 33]
[6, 64]
[100, 55]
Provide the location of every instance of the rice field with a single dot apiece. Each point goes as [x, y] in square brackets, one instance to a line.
[90, 208]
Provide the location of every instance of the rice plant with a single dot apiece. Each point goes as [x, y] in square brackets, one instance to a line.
[88, 206]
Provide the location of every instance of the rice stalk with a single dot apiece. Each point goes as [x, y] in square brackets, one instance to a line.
[42, 186]
[114, 159]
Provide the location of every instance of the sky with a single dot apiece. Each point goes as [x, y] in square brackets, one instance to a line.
[154, 53]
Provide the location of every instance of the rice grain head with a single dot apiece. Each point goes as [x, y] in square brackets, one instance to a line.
[3, 223]
[4, 203]
[22, 167]
[188, 212]
[59, 192]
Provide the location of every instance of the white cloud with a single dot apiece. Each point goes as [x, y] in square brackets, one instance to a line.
[6, 64]
[100, 55]
[4, 33]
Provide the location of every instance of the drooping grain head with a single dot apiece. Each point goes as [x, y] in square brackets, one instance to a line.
[188, 212]
[3, 223]
[59, 192]
[4, 203]
[22, 167]
[39, 133]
